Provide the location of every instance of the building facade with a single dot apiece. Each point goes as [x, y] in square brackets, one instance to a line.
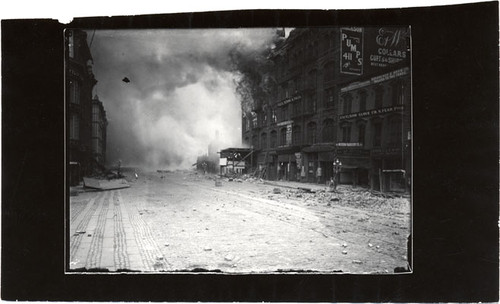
[326, 108]
[99, 133]
[85, 117]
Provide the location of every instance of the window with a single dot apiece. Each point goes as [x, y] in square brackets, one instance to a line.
[74, 92]
[379, 96]
[361, 134]
[284, 113]
[274, 139]
[273, 116]
[362, 101]
[247, 124]
[395, 129]
[246, 141]
[346, 133]
[255, 142]
[71, 45]
[312, 79]
[283, 137]
[254, 121]
[329, 93]
[347, 103]
[297, 108]
[311, 133]
[397, 93]
[329, 72]
[297, 135]
[328, 130]
[95, 145]
[313, 104]
[377, 134]
[263, 140]
[315, 49]
[74, 127]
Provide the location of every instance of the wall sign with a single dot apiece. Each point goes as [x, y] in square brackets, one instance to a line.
[351, 50]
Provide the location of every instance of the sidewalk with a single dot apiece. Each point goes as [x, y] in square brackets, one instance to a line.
[297, 185]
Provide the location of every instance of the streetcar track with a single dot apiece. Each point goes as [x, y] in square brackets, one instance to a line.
[83, 224]
[95, 251]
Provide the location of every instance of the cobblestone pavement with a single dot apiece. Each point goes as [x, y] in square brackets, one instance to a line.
[182, 221]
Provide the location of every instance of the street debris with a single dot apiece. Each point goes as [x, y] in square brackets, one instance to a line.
[207, 249]
[357, 262]
[344, 251]
[276, 190]
[103, 184]
[229, 257]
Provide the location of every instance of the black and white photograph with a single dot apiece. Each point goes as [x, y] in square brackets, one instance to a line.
[250, 150]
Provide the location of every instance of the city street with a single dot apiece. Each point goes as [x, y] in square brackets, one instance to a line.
[183, 221]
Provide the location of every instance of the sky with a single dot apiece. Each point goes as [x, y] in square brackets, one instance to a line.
[181, 92]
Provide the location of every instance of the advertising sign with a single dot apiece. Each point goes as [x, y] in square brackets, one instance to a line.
[370, 50]
[351, 50]
[372, 112]
[388, 46]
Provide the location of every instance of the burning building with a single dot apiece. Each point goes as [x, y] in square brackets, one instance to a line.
[340, 94]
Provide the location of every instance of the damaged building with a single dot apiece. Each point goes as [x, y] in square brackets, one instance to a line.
[341, 94]
[85, 114]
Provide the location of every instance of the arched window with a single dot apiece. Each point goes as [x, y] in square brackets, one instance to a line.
[397, 92]
[311, 132]
[263, 140]
[395, 132]
[312, 79]
[377, 133]
[379, 97]
[347, 97]
[297, 135]
[274, 139]
[328, 130]
[346, 132]
[255, 142]
[362, 100]
[329, 71]
[329, 97]
[283, 137]
[361, 133]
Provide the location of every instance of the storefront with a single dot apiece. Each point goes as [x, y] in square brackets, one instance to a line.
[389, 172]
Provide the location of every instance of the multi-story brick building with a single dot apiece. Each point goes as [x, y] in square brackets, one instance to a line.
[327, 108]
[86, 134]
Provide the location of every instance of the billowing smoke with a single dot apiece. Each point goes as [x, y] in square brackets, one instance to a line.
[185, 85]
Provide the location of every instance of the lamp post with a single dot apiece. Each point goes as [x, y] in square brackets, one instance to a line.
[337, 165]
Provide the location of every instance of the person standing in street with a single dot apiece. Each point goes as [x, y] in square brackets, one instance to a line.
[318, 174]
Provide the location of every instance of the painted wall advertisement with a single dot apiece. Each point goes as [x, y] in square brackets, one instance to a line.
[373, 49]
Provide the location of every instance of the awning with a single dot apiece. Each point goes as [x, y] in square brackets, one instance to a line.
[285, 158]
[326, 156]
[319, 148]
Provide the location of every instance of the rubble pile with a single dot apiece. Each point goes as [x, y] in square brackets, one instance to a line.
[350, 197]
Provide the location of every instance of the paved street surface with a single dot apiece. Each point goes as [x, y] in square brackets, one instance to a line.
[182, 221]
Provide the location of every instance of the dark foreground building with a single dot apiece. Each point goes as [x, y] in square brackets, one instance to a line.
[85, 116]
[341, 94]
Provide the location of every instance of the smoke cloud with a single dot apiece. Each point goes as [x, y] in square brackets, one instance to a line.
[185, 85]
